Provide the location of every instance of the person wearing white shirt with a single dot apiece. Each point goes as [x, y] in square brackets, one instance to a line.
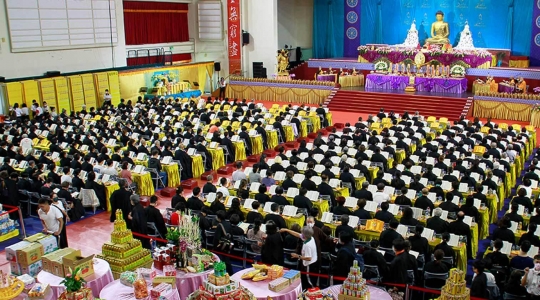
[51, 217]
[107, 98]
[223, 187]
[379, 196]
[66, 176]
[110, 170]
[45, 107]
[531, 280]
[308, 254]
[222, 87]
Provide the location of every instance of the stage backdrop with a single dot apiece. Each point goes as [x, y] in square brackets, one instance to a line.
[494, 24]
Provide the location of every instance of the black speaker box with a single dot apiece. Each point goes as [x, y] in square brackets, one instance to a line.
[2, 79]
[217, 66]
[245, 38]
[52, 73]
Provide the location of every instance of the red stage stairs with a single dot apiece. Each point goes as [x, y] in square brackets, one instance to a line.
[371, 102]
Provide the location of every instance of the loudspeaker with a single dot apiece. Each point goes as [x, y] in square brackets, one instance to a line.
[245, 38]
[217, 66]
[52, 73]
[2, 79]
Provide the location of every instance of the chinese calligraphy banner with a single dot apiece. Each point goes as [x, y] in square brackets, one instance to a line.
[234, 35]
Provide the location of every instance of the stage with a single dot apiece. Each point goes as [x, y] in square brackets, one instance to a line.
[532, 73]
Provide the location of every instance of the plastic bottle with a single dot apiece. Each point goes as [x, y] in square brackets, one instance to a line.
[428, 212]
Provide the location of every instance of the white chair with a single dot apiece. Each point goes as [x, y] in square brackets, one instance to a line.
[89, 199]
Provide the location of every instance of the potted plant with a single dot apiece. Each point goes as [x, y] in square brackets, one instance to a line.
[75, 289]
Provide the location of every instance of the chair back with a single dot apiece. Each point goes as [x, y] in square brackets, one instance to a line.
[371, 272]
[152, 230]
[209, 238]
[435, 281]
[410, 276]
[89, 198]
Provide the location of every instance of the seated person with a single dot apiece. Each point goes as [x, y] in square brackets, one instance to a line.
[496, 257]
[418, 242]
[340, 209]
[407, 217]
[361, 213]
[254, 213]
[402, 199]
[436, 223]
[383, 214]
[344, 227]
[372, 257]
[235, 230]
[522, 260]
[530, 236]
[513, 215]
[447, 249]
[261, 196]
[275, 217]
[437, 266]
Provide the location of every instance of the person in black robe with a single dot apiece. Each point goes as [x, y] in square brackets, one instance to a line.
[154, 215]
[10, 192]
[98, 188]
[186, 163]
[138, 220]
[120, 199]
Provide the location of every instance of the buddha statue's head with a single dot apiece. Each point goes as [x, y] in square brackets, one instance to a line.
[439, 15]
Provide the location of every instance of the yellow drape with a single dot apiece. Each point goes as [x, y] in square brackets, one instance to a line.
[535, 118]
[291, 95]
[31, 92]
[202, 77]
[502, 110]
[130, 83]
[14, 93]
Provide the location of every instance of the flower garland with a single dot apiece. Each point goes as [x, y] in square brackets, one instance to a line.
[363, 49]
[535, 107]
[384, 50]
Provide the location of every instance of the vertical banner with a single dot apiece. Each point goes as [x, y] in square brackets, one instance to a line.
[535, 35]
[352, 28]
[234, 35]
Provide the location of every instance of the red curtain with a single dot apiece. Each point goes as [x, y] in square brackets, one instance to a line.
[155, 22]
[151, 60]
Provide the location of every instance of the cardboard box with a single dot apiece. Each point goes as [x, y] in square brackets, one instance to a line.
[220, 289]
[76, 260]
[53, 263]
[167, 279]
[36, 237]
[50, 244]
[32, 269]
[15, 268]
[11, 251]
[160, 290]
[30, 254]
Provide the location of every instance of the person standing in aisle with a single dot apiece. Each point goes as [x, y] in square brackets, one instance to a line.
[222, 87]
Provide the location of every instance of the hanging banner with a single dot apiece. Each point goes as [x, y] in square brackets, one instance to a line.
[234, 35]
[535, 39]
[352, 28]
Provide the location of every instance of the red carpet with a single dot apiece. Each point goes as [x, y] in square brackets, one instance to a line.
[371, 102]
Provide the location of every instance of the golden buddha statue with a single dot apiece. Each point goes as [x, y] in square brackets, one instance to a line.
[439, 31]
[283, 62]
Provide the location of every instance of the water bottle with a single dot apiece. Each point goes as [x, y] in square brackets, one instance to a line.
[152, 245]
[526, 211]
[428, 212]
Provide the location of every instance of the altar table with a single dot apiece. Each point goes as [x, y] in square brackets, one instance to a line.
[327, 77]
[374, 292]
[96, 282]
[506, 88]
[422, 84]
[119, 291]
[260, 289]
[351, 80]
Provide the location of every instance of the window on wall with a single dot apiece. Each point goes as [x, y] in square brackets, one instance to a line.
[155, 22]
[210, 24]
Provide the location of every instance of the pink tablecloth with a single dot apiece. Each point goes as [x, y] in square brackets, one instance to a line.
[101, 277]
[187, 283]
[117, 291]
[50, 296]
[260, 289]
[375, 293]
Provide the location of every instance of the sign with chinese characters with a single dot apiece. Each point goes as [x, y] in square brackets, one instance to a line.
[234, 36]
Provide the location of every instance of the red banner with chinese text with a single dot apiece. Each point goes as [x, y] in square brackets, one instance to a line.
[234, 35]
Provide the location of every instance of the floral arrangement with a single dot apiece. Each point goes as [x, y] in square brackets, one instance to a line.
[536, 89]
[73, 282]
[363, 50]
[459, 53]
[457, 71]
[483, 53]
[408, 52]
[536, 108]
[384, 50]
